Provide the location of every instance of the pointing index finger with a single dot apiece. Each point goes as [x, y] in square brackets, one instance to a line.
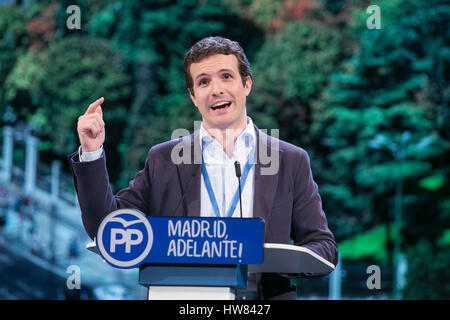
[94, 105]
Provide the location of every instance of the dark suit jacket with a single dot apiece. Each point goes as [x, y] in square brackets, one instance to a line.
[288, 201]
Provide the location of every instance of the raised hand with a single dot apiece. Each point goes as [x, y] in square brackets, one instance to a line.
[91, 127]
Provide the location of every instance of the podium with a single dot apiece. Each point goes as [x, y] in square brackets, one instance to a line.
[218, 282]
[197, 258]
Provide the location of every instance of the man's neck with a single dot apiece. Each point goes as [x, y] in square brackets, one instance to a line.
[227, 136]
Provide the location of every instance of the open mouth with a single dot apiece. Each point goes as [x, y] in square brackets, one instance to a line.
[221, 105]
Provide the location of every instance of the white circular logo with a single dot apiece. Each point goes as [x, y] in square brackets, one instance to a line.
[125, 238]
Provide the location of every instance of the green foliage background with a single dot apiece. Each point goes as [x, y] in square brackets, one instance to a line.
[371, 107]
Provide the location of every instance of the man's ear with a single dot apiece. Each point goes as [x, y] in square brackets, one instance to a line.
[248, 85]
[191, 94]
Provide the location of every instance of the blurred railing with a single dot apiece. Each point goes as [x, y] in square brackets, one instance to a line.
[21, 148]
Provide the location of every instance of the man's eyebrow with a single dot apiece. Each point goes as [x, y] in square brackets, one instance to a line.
[221, 70]
[226, 70]
[200, 75]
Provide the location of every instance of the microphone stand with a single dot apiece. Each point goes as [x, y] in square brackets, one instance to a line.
[237, 168]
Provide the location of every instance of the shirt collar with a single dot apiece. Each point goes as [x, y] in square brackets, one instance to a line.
[213, 149]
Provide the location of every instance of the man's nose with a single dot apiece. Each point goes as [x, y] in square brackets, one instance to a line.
[216, 88]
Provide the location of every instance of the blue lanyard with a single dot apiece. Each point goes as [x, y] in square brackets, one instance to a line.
[243, 178]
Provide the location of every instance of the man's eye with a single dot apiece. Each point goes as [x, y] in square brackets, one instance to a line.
[227, 76]
[202, 82]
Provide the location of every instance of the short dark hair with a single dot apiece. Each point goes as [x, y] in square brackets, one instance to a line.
[215, 45]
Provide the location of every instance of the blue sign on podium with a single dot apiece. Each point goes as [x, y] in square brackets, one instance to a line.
[127, 238]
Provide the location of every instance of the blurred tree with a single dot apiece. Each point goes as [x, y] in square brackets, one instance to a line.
[290, 72]
[377, 125]
[271, 15]
[370, 245]
[381, 93]
[333, 6]
[428, 274]
[153, 37]
[41, 29]
[264, 12]
[52, 87]
[14, 40]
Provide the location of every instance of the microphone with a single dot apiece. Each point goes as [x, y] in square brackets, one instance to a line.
[237, 168]
[193, 174]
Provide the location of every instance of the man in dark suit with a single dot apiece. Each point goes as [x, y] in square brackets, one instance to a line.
[281, 190]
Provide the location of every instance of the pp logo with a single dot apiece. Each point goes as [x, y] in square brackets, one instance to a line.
[125, 238]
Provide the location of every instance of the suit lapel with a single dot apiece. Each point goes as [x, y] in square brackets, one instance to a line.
[265, 185]
[191, 202]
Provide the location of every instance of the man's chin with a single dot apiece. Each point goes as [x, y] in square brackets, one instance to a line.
[221, 125]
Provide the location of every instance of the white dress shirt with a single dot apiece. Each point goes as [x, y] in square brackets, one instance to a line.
[90, 156]
[222, 174]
